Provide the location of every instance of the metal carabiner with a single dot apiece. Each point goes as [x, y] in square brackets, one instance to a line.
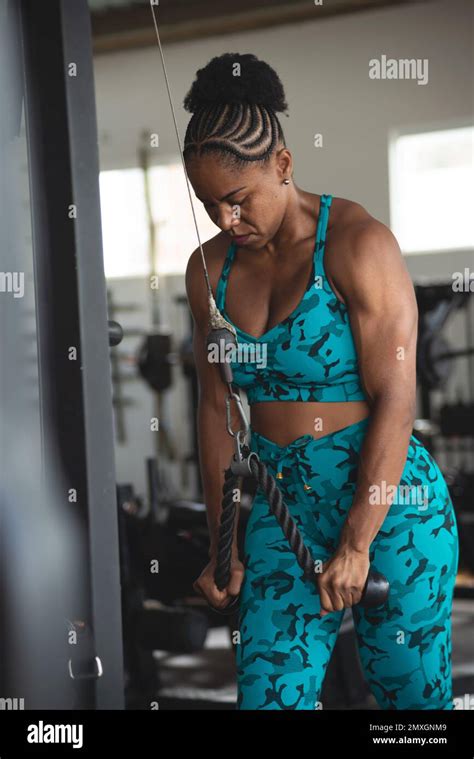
[241, 435]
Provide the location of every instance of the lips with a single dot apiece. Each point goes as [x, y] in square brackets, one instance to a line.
[240, 239]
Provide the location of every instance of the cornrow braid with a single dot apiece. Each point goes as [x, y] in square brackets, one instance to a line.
[243, 131]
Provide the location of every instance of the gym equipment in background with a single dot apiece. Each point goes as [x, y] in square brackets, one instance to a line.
[148, 624]
[448, 430]
[436, 304]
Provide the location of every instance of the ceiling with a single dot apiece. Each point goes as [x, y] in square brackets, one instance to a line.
[103, 5]
[125, 24]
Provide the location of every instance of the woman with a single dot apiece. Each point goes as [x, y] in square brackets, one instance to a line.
[321, 288]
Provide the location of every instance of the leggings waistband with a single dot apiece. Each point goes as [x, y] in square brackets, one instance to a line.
[302, 454]
[261, 443]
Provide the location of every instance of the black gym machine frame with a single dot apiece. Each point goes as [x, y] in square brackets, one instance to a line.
[75, 396]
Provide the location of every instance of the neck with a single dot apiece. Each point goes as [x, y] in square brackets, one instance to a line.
[299, 221]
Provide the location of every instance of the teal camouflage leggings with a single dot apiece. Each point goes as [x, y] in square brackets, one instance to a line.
[405, 645]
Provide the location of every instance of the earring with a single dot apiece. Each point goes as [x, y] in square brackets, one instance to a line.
[286, 181]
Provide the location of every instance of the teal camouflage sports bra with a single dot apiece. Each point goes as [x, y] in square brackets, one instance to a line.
[310, 355]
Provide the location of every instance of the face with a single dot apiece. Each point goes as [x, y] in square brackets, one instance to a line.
[247, 203]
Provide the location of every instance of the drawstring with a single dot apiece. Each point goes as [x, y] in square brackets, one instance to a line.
[297, 448]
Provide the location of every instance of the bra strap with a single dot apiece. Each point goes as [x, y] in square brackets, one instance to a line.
[323, 217]
[326, 201]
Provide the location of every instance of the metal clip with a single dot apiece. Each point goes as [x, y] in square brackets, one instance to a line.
[241, 467]
[240, 464]
[242, 434]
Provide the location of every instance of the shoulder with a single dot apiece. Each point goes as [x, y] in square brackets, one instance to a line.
[355, 227]
[360, 249]
[215, 251]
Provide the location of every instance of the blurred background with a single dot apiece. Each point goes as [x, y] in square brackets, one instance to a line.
[96, 144]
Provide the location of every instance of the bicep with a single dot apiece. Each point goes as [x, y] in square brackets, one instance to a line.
[383, 315]
[211, 387]
[208, 376]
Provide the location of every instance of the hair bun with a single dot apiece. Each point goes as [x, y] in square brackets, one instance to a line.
[222, 81]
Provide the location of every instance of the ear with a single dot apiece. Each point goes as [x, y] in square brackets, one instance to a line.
[284, 163]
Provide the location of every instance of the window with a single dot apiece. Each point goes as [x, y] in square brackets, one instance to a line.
[125, 224]
[431, 190]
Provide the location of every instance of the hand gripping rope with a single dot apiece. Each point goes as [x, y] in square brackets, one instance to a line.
[246, 464]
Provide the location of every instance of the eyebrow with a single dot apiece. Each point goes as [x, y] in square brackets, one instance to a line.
[229, 194]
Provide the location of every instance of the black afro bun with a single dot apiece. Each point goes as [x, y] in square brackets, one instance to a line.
[217, 83]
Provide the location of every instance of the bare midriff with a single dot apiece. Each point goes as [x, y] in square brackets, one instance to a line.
[284, 421]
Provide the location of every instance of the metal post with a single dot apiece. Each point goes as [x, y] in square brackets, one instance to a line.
[74, 367]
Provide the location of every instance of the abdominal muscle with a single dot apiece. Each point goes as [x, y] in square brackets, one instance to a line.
[284, 421]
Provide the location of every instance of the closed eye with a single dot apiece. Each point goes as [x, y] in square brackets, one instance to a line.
[231, 203]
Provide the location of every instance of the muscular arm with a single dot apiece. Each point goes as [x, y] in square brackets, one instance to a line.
[383, 313]
[214, 443]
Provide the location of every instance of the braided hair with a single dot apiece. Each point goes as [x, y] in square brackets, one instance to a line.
[234, 101]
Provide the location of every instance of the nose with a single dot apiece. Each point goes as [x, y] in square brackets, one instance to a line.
[227, 219]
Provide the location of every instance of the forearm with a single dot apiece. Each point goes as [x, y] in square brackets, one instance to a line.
[215, 452]
[381, 463]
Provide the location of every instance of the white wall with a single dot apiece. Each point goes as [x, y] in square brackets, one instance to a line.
[324, 68]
